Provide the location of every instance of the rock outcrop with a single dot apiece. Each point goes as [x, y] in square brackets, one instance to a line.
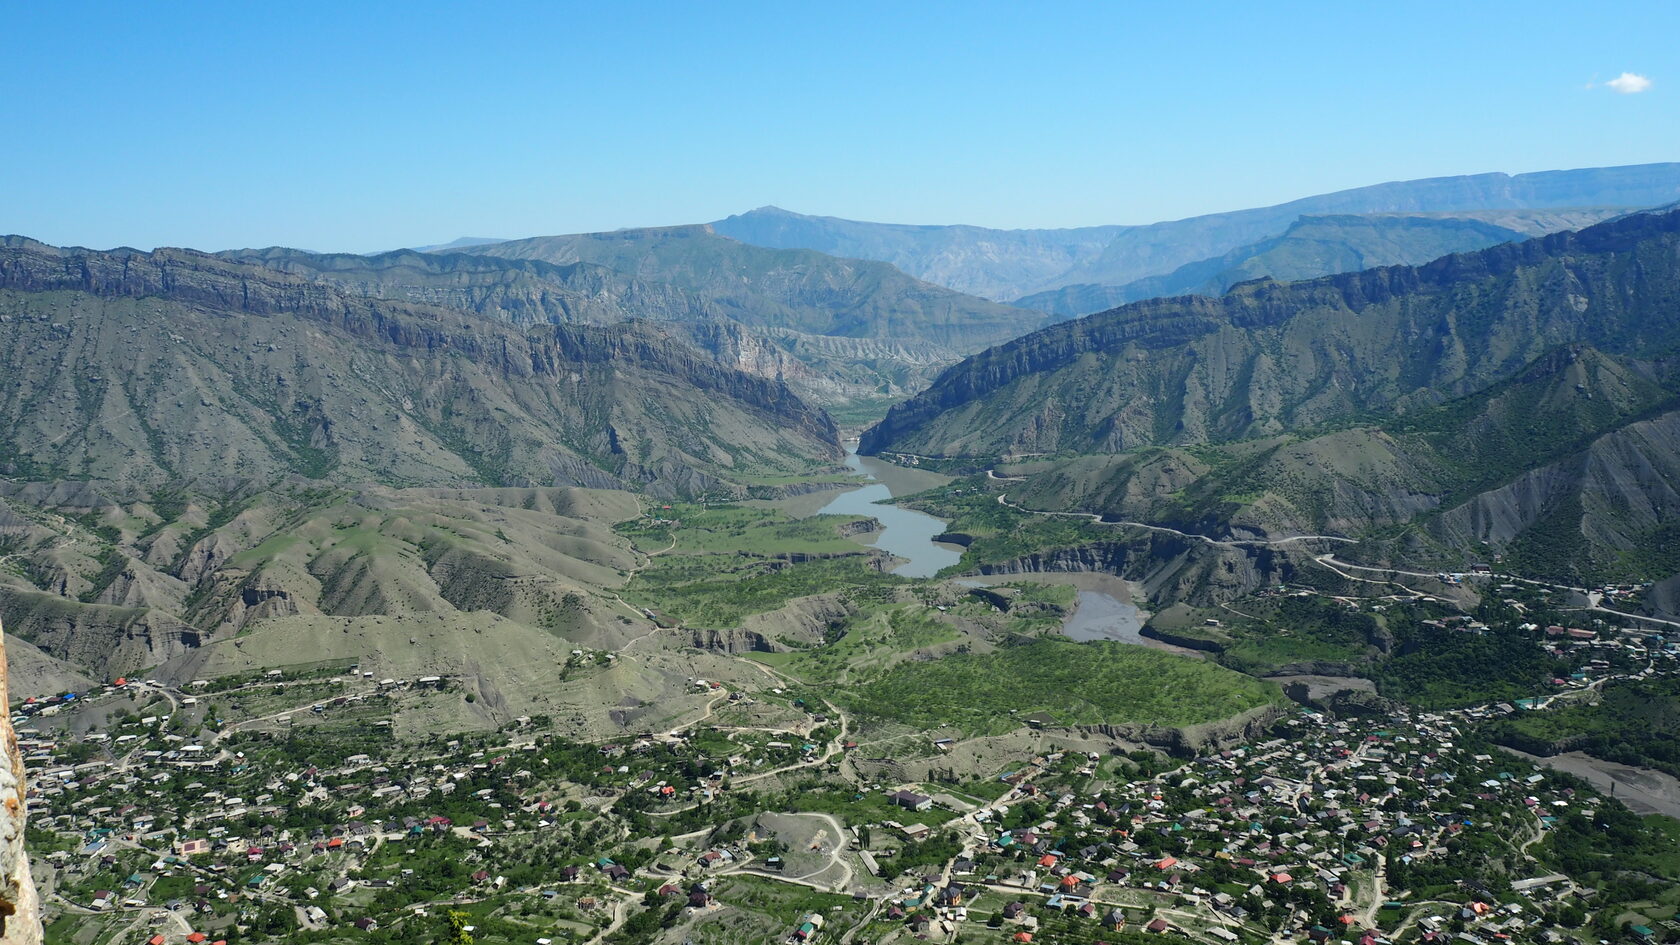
[20, 913]
[339, 387]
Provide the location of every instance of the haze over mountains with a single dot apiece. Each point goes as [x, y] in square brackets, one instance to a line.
[1322, 245]
[854, 315]
[1011, 264]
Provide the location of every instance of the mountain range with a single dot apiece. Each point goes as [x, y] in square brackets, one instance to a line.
[1521, 396]
[836, 330]
[1013, 264]
[194, 446]
[359, 450]
[1324, 245]
[172, 367]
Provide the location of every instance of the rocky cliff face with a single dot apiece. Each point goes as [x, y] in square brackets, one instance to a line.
[177, 366]
[522, 291]
[20, 918]
[834, 330]
[1273, 358]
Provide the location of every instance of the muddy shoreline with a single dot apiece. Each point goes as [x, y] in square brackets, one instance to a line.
[1643, 790]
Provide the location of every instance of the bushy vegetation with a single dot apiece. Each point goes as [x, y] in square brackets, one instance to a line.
[1293, 629]
[868, 639]
[1075, 683]
[719, 590]
[1435, 667]
[1634, 858]
[735, 529]
[1636, 723]
[997, 532]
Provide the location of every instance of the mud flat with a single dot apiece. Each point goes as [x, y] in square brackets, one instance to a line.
[1643, 790]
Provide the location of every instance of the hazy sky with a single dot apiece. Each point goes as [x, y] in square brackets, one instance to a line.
[361, 126]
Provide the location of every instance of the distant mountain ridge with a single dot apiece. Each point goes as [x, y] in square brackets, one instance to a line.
[1325, 245]
[1271, 357]
[836, 330]
[796, 289]
[990, 263]
[461, 242]
[841, 331]
[1011, 264]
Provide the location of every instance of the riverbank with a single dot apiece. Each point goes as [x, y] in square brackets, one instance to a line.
[906, 534]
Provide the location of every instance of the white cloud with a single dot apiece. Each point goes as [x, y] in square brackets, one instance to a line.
[1629, 83]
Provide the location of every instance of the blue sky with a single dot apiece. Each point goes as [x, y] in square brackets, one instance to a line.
[363, 126]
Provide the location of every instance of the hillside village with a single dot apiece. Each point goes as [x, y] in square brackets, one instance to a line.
[168, 815]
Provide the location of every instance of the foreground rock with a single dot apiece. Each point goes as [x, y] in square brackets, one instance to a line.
[20, 918]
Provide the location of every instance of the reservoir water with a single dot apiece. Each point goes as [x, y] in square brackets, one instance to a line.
[1104, 611]
[905, 533]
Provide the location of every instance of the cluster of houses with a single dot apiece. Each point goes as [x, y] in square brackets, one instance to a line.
[1295, 835]
[1240, 843]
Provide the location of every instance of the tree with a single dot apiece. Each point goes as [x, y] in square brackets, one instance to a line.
[458, 922]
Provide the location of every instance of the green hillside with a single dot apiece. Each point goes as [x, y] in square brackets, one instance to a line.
[1074, 683]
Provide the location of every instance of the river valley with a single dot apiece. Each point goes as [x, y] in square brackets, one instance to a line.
[1105, 610]
[905, 533]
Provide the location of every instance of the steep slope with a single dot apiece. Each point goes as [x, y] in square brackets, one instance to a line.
[1273, 358]
[521, 291]
[1566, 468]
[1321, 246]
[829, 370]
[174, 366]
[795, 290]
[1010, 264]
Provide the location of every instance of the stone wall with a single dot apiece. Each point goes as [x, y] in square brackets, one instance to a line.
[20, 917]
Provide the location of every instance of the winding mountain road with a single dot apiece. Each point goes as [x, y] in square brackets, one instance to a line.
[1003, 499]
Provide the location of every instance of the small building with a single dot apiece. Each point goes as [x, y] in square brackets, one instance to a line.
[910, 800]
